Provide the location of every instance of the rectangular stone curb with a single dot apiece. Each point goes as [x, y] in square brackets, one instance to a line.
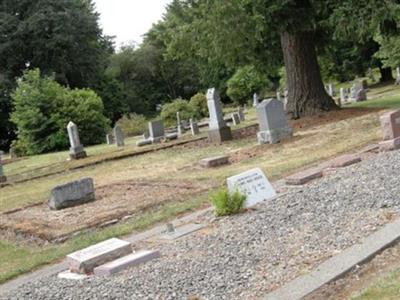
[369, 148]
[125, 262]
[344, 161]
[390, 145]
[212, 162]
[304, 176]
[339, 265]
[85, 260]
[179, 232]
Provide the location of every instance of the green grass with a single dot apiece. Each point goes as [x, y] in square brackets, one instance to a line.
[19, 259]
[387, 288]
[384, 102]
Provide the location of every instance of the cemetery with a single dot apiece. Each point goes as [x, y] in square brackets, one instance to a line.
[193, 166]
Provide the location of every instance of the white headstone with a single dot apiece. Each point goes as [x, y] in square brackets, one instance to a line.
[215, 110]
[254, 184]
[241, 114]
[285, 99]
[180, 127]
[343, 97]
[255, 100]
[278, 96]
[331, 90]
[194, 127]
[397, 76]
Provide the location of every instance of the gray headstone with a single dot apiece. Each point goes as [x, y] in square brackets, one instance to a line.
[146, 135]
[278, 96]
[2, 177]
[194, 127]
[235, 119]
[110, 139]
[76, 150]
[331, 90]
[273, 122]
[180, 127]
[218, 130]
[343, 97]
[72, 194]
[119, 136]
[156, 130]
[361, 95]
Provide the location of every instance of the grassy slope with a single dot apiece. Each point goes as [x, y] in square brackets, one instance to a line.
[387, 288]
[277, 160]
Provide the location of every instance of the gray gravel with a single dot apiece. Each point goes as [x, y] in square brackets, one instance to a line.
[245, 256]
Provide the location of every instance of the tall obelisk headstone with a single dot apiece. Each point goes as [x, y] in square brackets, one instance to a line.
[218, 130]
[2, 177]
[76, 151]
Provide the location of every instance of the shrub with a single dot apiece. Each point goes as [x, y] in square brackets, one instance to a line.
[132, 124]
[43, 108]
[244, 83]
[169, 110]
[226, 203]
[199, 104]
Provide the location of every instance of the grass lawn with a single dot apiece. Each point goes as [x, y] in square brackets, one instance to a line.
[310, 145]
[387, 288]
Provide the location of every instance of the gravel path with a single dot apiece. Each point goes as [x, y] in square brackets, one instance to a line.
[245, 256]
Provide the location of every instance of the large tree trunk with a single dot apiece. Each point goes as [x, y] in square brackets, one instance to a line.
[307, 95]
[386, 74]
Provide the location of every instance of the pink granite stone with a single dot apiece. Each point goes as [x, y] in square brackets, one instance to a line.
[344, 161]
[390, 123]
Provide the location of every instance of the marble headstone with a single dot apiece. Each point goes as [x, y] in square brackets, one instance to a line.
[110, 139]
[254, 184]
[76, 150]
[218, 130]
[255, 100]
[273, 123]
[397, 76]
[180, 126]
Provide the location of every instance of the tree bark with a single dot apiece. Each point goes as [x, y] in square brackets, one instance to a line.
[306, 92]
[386, 74]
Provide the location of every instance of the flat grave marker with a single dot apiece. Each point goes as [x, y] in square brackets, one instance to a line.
[254, 184]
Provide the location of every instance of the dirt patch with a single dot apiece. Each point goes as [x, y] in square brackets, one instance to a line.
[113, 203]
[361, 277]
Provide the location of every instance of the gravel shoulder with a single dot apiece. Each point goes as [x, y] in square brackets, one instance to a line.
[247, 255]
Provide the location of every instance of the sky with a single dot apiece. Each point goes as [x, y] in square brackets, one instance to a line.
[128, 20]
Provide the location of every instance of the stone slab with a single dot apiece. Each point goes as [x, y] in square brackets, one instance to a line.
[344, 161]
[171, 136]
[369, 148]
[390, 145]
[72, 194]
[84, 261]
[180, 232]
[72, 276]
[339, 265]
[212, 162]
[142, 143]
[125, 262]
[305, 176]
[254, 184]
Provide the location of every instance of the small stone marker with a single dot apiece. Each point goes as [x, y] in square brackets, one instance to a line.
[361, 95]
[2, 177]
[72, 194]
[125, 262]
[285, 100]
[119, 136]
[235, 119]
[254, 184]
[110, 139]
[304, 176]
[76, 151]
[218, 130]
[353, 91]
[273, 123]
[255, 100]
[390, 123]
[212, 162]
[194, 127]
[72, 276]
[331, 90]
[156, 131]
[343, 96]
[278, 96]
[84, 261]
